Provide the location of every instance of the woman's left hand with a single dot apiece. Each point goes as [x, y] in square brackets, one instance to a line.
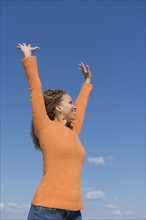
[86, 72]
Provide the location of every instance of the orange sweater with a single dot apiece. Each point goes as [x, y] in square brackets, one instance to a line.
[63, 154]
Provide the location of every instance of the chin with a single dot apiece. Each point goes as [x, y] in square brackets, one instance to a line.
[72, 118]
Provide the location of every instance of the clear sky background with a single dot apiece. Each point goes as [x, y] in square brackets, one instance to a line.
[110, 37]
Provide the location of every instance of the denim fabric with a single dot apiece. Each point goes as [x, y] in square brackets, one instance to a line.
[43, 213]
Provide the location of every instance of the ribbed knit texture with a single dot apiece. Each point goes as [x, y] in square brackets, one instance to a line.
[63, 153]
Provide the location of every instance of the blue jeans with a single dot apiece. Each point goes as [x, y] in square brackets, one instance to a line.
[42, 213]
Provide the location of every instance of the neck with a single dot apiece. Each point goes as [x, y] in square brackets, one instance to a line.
[60, 119]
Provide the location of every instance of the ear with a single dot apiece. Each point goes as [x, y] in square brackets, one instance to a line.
[58, 108]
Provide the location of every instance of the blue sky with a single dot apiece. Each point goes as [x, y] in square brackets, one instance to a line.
[110, 37]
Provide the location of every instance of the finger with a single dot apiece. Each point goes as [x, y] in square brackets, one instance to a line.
[34, 48]
[83, 65]
[29, 45]
[87, 67]
[81, 68]
[24, 44]
[37, 48]
[19, 45]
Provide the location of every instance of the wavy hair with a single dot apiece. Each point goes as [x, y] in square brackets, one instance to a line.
[52, 98]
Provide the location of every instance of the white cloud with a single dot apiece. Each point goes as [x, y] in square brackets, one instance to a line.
[129, 212]
[100, 160]
[117, 213]
[12, 204]
[95, 195]
[111, 206]
[12, 207]
[96, 160]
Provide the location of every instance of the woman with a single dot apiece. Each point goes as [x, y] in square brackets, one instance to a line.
[56, 125]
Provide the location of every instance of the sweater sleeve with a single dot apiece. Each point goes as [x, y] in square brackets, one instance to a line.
[81, 104]
[36, 94]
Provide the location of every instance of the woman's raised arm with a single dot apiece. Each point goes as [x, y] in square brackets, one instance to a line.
[36, 94]
[82, 99]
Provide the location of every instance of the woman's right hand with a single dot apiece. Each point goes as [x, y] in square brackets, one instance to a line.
[26, 50]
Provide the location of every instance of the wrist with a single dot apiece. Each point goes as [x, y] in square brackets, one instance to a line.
[28, 54]
[88, 80]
